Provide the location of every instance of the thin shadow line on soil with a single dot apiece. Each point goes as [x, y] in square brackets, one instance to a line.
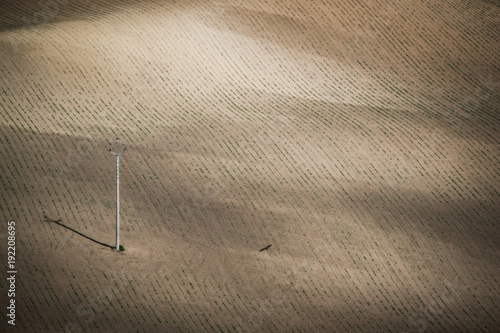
[69, 228]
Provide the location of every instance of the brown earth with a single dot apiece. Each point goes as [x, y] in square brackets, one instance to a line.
[360, 139]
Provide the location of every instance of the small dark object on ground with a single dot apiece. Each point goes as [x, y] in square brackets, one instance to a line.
[265, 248]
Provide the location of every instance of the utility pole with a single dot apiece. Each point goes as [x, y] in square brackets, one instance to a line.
[117, 153]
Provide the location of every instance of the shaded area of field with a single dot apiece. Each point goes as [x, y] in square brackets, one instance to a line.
[30, 14]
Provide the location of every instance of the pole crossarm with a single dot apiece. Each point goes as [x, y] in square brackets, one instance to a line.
[117, 152]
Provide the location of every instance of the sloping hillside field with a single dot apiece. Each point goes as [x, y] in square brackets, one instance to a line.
[360, 139]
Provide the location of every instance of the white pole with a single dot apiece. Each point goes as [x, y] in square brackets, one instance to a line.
[117, 154]
[117, 203]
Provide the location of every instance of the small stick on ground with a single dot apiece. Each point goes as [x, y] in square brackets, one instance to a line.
[265, 248]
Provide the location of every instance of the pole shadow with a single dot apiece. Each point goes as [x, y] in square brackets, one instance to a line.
[58, 222]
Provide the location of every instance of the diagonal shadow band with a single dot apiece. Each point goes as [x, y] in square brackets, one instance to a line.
[75, 231]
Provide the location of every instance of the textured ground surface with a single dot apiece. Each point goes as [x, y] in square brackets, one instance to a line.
[361, 139]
